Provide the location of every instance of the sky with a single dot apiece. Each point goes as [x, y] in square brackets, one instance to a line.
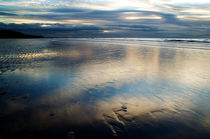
[108, 18]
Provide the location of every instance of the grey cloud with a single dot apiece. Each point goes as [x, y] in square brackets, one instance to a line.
[7, 14]
[67, 10]
[170, 26]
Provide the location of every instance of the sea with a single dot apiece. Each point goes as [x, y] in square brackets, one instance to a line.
[79, 88]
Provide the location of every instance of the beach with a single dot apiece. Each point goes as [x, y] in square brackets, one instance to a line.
[104, 88]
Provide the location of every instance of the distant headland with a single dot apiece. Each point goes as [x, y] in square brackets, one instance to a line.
[14, 34]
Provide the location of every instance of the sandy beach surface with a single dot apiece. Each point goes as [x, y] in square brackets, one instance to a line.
[104, 88]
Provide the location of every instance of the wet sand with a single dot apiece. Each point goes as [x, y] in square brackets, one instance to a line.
[104, 88]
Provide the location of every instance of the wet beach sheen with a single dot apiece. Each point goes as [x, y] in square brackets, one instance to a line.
[104, 88]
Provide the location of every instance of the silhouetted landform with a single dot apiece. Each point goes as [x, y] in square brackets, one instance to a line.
[188, 40]
[14, 34]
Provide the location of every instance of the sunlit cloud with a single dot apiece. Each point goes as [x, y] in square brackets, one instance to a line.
[112, 15]
[180, 1]
[142, 17]
[196, 11]
[45, 25]
[29, 21]
[194, 17]
[41, 21]
[109, 31]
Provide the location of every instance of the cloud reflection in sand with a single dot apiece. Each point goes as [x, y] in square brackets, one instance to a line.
[121, 87]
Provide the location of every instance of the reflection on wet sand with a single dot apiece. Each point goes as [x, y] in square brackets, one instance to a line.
[88, 88]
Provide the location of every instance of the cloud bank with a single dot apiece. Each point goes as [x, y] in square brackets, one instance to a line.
[110, 18]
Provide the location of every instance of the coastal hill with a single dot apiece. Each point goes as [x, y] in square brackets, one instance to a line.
[14, 34]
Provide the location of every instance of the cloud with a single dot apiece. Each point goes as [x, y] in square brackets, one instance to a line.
[130, 17]
[6, 14]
